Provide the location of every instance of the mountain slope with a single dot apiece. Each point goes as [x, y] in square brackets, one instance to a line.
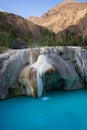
[22, 25]
[26, 31]
[66, 15]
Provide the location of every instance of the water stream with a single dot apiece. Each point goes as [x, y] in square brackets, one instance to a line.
[45, 97]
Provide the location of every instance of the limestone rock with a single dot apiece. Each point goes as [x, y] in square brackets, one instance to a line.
[50, 71]
[42, 68]
[11, 63]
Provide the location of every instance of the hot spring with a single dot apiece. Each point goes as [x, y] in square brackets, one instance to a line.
[60, 110]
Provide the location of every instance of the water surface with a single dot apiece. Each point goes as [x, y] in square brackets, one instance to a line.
[57, 111]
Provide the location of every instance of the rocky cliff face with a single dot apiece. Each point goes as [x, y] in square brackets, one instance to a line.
[58, 65]
[69, 15]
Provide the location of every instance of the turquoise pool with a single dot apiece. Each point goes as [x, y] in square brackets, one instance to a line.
[57, 111]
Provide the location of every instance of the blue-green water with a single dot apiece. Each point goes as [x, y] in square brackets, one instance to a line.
[60, 111]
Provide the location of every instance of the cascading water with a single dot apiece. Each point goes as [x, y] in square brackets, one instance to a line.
[44, 91]
[31, 60]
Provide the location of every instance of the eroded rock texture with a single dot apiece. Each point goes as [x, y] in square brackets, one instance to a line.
[31, 71]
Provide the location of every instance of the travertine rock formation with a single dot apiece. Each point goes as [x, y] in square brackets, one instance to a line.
[30, 71]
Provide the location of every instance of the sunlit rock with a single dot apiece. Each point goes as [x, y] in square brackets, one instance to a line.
[50, 71]
[34, 71]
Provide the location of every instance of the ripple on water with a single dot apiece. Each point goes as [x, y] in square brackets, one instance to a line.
[45, 98]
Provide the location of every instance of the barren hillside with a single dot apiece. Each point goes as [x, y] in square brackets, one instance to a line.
[66, 15]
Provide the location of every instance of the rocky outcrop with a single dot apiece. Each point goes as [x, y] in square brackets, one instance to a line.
[30, 71]
[11, 64]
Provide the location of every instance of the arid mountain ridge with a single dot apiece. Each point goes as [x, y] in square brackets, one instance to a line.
[69, 15]
[22, 25]
[26, 31]
[66, 20]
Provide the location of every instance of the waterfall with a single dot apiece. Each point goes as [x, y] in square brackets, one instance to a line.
[41, 66]
[44, 91]
[39, 84]
[31, 59]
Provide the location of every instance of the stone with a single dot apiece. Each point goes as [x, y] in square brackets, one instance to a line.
[11, 63]
[31, 71]
[48, 71]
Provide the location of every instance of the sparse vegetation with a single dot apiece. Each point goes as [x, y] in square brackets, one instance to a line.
[2, 39]
[13, 37]
[5, 13]
[69, 38]
[47, 38]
